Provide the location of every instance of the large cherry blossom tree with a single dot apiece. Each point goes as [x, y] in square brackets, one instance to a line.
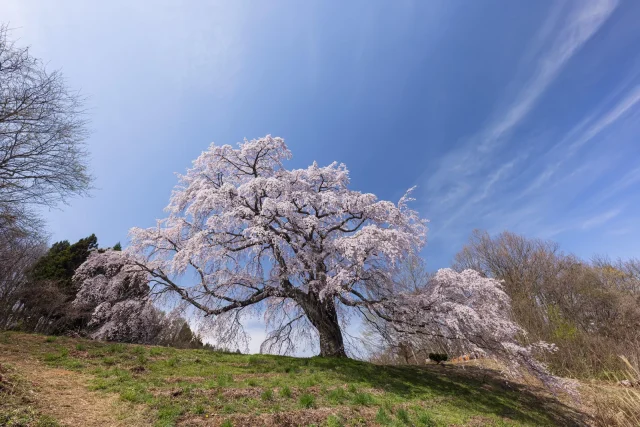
[246, 235]
[297, 243]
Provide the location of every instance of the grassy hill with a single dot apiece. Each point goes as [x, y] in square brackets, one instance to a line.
[47, 381]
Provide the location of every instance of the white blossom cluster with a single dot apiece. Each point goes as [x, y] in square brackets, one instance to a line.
[116, 293]
[473, 314]
[246, 223]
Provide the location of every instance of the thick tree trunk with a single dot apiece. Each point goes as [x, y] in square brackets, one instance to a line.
[324, 317]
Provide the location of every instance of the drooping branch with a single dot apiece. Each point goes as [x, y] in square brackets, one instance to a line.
[263, 239]
[252, 230]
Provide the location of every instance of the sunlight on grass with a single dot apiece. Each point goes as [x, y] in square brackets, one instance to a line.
[175, 384]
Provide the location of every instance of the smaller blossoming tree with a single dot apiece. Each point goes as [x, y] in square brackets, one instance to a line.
[113, 292]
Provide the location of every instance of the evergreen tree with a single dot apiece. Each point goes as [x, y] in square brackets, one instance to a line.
[46, 299]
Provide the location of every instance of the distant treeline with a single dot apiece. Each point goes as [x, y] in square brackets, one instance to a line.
[590, 309]
[37, 294]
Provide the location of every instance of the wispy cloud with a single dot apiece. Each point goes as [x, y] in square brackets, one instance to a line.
[576, 30]
[609, 118]
[627, 180]
[494, 178]
[600, 219]
[621, 231]
[467, 177]
[581, 134]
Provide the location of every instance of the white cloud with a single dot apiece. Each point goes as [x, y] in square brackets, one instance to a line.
[609, 118]
[494, 178]
[460, 182]
[600, 219]
[201, 47]
[583, 133]
[576, 30]
[630, 178]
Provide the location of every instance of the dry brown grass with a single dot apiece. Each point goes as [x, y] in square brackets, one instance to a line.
[305, 417]
[616, 404]
[63, 396]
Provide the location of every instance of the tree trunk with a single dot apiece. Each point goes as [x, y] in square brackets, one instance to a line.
[324, 317]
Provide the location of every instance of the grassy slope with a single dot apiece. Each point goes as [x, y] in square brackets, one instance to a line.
[17, 407]
[202, 387]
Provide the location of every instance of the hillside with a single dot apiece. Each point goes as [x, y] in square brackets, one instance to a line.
[49, 381]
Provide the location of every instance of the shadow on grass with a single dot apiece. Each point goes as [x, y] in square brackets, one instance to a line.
[470, 387]
[473, 390]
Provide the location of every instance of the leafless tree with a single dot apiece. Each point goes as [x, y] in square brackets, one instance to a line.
[42, 162]
[42, 131]
[620, 274]
[20, 247]
[591, 310]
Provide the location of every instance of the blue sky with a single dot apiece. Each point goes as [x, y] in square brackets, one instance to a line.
[507, 115]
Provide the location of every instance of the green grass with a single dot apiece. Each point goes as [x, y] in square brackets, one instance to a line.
[427, 420]
[337, 396]
[382, 417]
[307, 401]
[403, 416]
[363, 399]
[179, 384]
[285, 392]
[224, 380]
[16, 407]
[267, 395]
[333, 421]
